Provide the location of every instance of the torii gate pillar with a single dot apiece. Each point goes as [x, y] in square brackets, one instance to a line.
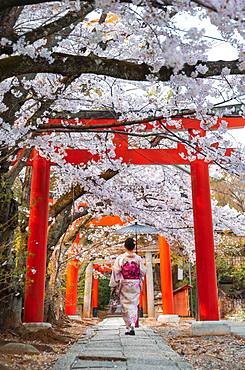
[144, 297]
[37, 241]
[166, 277]
[150, 285]
[88, 291]
[95, 294]
[72, 279]
[204, 242]
[71, 287]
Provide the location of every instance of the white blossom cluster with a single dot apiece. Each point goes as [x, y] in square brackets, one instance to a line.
[158, 196]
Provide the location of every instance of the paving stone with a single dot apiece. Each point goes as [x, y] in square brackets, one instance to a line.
[111, 339]
[107, 341]
[113, 344]
[138, 343]
[103, 344]
[151, 364]
[158, 363]
[149, 367]
[98, 367]
[111, 353]
[103, 349]
[83, 363]
[143, 355]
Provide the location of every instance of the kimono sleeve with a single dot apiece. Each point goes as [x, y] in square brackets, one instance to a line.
[116, 274]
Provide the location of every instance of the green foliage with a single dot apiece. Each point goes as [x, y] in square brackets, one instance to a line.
[104, 292]
[230, 273]
[239, 315]
[182, 262]
[81, 284]
[5, 191]
[178, 260]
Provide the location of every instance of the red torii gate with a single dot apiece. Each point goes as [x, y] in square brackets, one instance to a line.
[72, 273]
[95, 285]
[73, 267]
[204, 242]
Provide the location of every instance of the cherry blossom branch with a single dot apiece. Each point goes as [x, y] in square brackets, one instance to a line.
[44, 31]
[75, 193]
[206, 5]
[5, 4]
[19, 165]
[8, 18]
[69, 65]
[53, 27]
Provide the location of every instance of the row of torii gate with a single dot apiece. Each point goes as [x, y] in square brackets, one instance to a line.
[203, 228]
[91, 289]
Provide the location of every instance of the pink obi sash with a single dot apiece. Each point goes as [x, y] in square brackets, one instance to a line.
[131, 270]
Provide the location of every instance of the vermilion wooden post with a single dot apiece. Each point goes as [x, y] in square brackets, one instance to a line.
[95, 295]
[37, 242]
[71, 287]
[144, 297]
[141, 303]
[72, 279]
[166, 276]
[204, 242]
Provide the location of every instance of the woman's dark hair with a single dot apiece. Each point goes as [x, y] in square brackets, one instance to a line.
[129, 244]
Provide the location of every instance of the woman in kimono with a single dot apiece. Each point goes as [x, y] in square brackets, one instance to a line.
[126, 279]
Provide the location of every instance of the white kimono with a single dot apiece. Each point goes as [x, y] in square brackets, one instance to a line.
[127, 275]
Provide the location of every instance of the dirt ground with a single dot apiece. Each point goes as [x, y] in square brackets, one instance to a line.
[51, 343]
[206, 352]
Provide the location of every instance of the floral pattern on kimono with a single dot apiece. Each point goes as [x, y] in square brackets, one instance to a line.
[127, 275]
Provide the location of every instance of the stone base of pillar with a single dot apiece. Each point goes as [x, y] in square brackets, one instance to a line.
[74, 317]
[35, 326]
[237, 327]
[200, 328]
[168, 318]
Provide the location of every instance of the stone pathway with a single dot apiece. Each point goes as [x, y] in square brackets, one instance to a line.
[105, 346]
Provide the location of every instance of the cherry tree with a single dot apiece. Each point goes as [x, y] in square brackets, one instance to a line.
[137, 61]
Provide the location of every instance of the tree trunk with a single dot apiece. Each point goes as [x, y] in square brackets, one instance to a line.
[10, 288]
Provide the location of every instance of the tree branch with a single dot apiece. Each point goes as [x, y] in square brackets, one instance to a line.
[70, 236]
[5, 4]
[205, 5]
[86, 114]
[69, 65]
[52, 28]
[74, 194]
[8, 19]
[11, 3]
[59, 24]
[19, 165]
[61, 225]
[159, 4]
